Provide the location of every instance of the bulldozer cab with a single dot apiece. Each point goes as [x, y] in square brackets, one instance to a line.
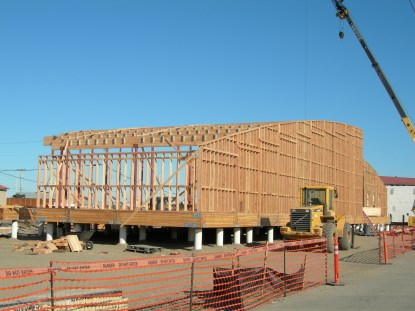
[319, 196]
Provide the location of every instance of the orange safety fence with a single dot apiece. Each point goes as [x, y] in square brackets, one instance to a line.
[238, 280]
[24, 288]
[398, 240]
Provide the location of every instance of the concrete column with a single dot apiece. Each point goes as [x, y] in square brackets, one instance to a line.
[123, 235]
[15, 228]
[173, 233]
[50, 228]
[198, 238]
[270, 235]
[249, 235]
[219, 236]
[237, 236]
[142, 234]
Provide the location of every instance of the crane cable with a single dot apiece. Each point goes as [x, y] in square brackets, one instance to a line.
[412, 5]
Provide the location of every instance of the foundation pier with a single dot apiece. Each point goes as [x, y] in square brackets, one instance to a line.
[237, 236]
[249, 235]
[123, 235]
[15, 229]
[50, 229]
[219, 236]
[198, 238]
[270, 235]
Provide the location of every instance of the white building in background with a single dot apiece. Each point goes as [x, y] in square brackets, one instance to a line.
[401, 197]
[3, 195]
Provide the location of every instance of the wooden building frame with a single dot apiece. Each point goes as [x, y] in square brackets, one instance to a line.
[203, 176]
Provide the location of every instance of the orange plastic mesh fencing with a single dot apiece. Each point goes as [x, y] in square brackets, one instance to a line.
[236, 280]
[398, 240]
[24, 288]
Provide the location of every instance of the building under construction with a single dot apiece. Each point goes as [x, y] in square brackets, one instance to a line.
[239, 176]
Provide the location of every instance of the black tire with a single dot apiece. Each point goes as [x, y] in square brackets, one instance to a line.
[345, 241]
[89, 245]
[329, 232]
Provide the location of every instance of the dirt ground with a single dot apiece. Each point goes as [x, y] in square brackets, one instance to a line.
[106, 247]
[358, 266]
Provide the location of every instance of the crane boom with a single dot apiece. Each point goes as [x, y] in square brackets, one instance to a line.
[343, 13]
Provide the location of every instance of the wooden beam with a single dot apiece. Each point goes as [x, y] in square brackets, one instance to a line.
[145, 137]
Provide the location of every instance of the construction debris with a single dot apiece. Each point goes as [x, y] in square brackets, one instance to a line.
[5, 230]
[68, 243]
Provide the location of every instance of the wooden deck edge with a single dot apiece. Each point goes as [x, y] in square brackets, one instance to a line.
[156, 218]
[170, 219]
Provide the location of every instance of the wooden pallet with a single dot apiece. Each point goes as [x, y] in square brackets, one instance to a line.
[143, 249]
[74, 243]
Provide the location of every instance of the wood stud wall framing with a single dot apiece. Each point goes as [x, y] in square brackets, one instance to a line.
[252, 170]
[144, 180]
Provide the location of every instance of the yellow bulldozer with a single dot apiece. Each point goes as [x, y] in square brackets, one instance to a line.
[316, 217]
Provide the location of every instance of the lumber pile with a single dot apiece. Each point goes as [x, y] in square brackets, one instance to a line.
[68, 243]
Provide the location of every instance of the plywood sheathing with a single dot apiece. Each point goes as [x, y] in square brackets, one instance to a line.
[254, 170]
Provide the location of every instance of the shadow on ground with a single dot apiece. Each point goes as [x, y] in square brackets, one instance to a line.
[368, 257]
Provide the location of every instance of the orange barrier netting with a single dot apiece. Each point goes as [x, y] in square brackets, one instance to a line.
[24, 288]
[237, 280]
[398, 240]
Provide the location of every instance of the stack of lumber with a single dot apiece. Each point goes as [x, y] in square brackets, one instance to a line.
[9, 212]
[5, 230]
[68, 243]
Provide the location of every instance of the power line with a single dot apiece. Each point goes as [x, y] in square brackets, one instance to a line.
[20, 176]
[19, 170]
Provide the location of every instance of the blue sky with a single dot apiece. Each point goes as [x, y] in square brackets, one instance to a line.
[77, 65]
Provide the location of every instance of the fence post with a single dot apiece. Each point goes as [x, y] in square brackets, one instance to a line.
[336, 265]
[264, 272]
[52, 293]
[285, 269]
[385, 249]
[192, 282]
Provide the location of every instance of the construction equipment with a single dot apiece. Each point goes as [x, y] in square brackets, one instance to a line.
[316, 216]
[343, 13]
